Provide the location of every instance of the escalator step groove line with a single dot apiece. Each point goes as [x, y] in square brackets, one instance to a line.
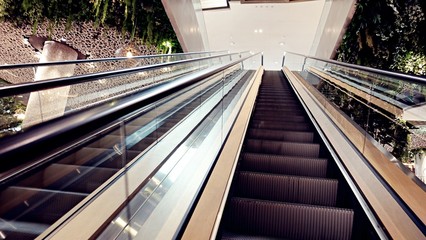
[313, 167]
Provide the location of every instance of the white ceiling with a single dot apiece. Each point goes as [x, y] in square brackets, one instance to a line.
[209, 4]
[268, 28]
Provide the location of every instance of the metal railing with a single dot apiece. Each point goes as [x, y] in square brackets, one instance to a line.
[52, 133]
[112, 59]
[402, 76]
[382, 113]
[67, 81]
[45, 143]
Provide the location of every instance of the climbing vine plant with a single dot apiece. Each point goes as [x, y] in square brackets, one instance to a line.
[145, 20]
[387, 34]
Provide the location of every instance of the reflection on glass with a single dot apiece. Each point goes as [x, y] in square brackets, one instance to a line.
[392, 111]
[19, 112]
[32, 202]
[189, 158]
[12, 114]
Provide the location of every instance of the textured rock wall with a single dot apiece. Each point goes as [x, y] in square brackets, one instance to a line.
[94, 42]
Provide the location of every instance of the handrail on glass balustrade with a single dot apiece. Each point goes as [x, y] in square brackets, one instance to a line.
[29, 65]
[22, 88]
[402, 76]
[52, 133]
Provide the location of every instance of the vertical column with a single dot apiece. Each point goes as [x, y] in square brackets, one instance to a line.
[49, 104]
[420, 165]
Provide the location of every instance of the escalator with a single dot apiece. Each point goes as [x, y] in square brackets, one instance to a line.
[286, 185]
[34, 200]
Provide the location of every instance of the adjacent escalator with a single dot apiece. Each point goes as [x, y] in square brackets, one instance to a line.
[35, 200]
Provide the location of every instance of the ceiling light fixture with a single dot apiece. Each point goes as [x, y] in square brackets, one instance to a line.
[129, 54]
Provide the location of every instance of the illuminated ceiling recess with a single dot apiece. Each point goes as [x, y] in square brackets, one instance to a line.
[273, 1]
[269, 28]
[213, 4]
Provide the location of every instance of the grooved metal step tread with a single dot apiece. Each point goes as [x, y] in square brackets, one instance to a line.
[71, 178]
[279, 109]
[97, 157]
[21, 230]
[235, 236]
[289, 220]
[278, 104]
[107, 141]
[280, 125]
[276, 100]
[301, 166]
[275, 117]
[277, 135]
[287, 188]
[265, 98]
[279, 113]
[282, 148]
[37, 205]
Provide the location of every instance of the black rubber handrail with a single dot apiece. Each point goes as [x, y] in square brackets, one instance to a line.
[22, 88]
[28, 65]
[402, 76]
[33, 142]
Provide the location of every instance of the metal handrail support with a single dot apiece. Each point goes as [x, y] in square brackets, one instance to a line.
[29, 65]
[403, 76]
[61, 82]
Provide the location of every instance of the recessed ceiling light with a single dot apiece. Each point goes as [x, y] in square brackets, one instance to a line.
[261, 30]
[282, 43]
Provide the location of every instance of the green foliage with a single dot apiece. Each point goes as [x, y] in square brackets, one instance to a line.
[132, 17]
[414, 63]
[9, 108]
[387, 132]
[383, 33]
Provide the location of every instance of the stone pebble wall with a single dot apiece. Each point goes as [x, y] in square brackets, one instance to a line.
[94, 42]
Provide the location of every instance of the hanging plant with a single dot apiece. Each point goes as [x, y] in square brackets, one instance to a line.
[146, 20]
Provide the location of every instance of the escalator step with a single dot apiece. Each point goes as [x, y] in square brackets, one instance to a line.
[107, 141]
[282, 114]
[146, 142]
[284, 109]
[97, 157]
[278, 103]
[286, 136]
[289, 220]
[141, 121]
[72, 178]
[265, 100]
[233, 236]
[21, 230]
[311, 167]
[291, 126]
[285, 188]
[282, 148]
[275, 117]
[37, 205]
